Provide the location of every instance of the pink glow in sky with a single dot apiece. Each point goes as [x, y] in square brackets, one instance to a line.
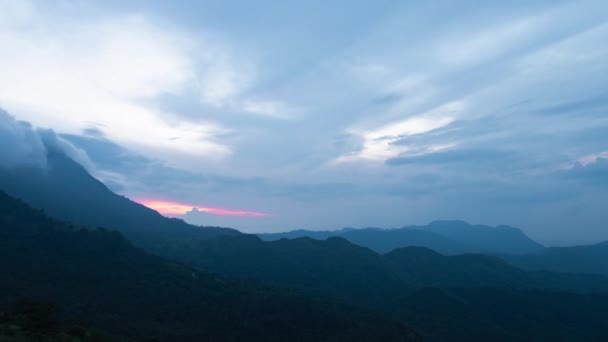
[169, 208]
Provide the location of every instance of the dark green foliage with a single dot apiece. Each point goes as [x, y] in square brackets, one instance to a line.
[334, 267]
[98, 277]
[418, 285]
[37, 321]
[505, 315]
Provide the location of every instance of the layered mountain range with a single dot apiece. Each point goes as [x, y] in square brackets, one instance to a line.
[448, 280]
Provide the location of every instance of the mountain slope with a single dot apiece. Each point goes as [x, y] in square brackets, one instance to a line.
[332, 267]
[576, 259]
[66, 191]
[99, 277]
[491, 314]
[431, 269]
[422, 267]
[485, 239]
[339, 268]
[394, 284]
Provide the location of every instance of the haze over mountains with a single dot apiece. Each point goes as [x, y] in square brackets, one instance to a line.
[458, 237]
[403, 113]
[155, 157]
[447, 237]
[334, 266]
[576, 259]
[65, 190]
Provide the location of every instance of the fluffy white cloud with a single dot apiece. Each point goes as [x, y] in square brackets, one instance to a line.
[25, 145]
[68, 74]
[20, 143]
[379, 143]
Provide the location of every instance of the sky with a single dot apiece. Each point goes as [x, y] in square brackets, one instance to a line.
[276, 115]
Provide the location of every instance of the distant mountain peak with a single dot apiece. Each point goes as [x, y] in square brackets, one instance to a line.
[444, 236]
[449, 223]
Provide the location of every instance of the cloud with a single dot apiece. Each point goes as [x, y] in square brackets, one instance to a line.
[579, 107]
[65, 73]
[170, 208]
[592, 158]
[477, 155]
[492, 104]
[268, 108]
[21, 143]
[590, 170]
[54, 143]
[25, 145]
[379, 142]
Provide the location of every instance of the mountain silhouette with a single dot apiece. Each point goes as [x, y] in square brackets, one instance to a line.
[446, 237]
[338, 268]
[66, 191]
[97, 276]
[575, 259]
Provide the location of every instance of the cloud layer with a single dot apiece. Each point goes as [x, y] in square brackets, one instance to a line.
[25, 145]
[401, 114]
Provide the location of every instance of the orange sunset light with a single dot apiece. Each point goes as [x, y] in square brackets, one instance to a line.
[169, 208]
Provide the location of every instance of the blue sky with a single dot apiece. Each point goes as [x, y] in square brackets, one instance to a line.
[352, 113]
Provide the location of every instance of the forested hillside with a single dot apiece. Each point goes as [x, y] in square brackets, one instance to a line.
[97, 276]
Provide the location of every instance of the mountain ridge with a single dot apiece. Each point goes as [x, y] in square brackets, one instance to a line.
[345, 271]
[591, 259]
[444, 236]
[97, 276]
[66, 191]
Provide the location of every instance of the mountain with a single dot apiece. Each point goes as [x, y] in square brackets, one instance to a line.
[394, 284]
[458, 237]
[379, 240]
[66, 191]
[359, 275]
[30, 321]
[96, 276]
[576, 259]
[427, 268]
[446, 237]
[494, 314]
[338, 268]
[422, 267]
[332, 267]
[299, 233]
[485, 239]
